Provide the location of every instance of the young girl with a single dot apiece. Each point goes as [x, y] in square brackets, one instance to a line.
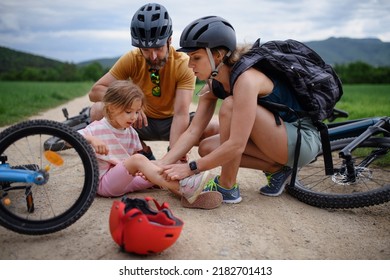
[116, 144]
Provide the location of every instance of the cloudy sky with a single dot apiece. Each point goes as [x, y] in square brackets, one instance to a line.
[80, 30]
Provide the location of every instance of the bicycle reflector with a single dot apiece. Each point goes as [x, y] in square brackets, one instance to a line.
[138, 228]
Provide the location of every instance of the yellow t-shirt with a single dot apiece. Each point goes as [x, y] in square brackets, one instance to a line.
[174, 75]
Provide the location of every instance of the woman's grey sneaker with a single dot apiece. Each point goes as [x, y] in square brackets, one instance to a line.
[276, 181]
[192, 186]
[229, 195]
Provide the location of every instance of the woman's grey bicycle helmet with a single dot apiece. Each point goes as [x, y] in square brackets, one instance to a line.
[208, 32]
[151, 26]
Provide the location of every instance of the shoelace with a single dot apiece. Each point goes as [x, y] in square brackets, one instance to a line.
[212, 185]
[268, 176]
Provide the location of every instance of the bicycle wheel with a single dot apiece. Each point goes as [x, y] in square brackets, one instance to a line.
[41, 209]
[371, 186]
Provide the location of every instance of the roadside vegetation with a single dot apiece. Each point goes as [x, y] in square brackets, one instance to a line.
[20, 100]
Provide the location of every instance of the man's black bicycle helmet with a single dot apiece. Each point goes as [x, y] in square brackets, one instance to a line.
[151, 26]
[208, 32]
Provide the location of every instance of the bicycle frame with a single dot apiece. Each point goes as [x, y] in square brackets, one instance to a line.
[7, 174]
[375, 128]
[353, 128]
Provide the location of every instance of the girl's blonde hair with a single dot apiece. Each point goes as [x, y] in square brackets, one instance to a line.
[121, 94]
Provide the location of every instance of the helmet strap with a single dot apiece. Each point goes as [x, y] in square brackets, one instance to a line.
[215, 69]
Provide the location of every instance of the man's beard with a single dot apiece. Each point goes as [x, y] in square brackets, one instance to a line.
[157, 64]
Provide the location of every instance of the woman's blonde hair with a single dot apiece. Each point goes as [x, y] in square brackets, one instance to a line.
[235, 55]
[121, 94]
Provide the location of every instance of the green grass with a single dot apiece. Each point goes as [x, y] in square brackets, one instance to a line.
[20, 100]
[365, 100]
[359, 101]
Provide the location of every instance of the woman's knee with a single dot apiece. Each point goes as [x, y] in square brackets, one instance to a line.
[226, 108]
[206, 146]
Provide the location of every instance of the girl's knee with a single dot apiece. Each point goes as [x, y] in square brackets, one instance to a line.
[135, 162]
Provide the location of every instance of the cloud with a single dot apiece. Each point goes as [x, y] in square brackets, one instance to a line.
[76, 31]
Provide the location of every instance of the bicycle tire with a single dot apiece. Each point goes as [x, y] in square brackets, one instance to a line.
[77, 178]
[317, 189]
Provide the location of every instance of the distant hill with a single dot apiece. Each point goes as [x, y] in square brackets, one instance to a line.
[17, 61]
[347, 50]
[332, 50]
[104, 62]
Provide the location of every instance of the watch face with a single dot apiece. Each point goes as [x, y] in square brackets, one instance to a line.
[193, 165]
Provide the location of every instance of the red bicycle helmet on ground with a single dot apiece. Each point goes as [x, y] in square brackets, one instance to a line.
[139, 229]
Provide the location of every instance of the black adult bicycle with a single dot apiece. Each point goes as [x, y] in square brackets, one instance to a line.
[44, 188]
[77, 122]
[361, 167]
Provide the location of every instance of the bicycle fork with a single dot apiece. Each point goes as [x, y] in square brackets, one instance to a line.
[350, 171]
[9, 175]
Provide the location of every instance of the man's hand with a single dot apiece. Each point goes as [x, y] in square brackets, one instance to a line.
[141, 121]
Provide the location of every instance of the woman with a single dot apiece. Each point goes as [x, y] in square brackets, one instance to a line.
[249, 135]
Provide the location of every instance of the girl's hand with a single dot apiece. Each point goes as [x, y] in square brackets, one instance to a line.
[99, 146]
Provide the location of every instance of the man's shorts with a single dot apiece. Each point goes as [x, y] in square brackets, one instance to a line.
[157, 129]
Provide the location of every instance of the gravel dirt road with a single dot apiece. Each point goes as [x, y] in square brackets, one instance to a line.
[259, 228]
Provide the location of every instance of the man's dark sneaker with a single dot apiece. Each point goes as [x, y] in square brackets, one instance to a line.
[276, 182]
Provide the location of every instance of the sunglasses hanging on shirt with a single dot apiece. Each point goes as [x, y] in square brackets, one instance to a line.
[155, 78]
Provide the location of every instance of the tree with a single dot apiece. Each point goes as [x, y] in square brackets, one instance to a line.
[92, 71]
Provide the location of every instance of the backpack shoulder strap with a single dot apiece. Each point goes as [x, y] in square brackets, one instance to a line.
[246, 61]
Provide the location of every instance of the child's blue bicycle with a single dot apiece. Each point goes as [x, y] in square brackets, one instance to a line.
[361, 167]
[35, 178]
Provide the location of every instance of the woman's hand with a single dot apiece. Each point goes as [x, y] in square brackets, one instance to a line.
[142, 175]
[177, 171]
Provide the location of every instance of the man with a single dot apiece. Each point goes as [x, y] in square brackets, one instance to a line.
[162, 74]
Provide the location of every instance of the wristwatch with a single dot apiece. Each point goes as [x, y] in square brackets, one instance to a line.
[194, 167]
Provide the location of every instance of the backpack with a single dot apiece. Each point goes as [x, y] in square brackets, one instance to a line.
[315, 84]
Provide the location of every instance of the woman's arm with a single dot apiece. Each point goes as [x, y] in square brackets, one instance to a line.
[190, 137]
[242, 119]
[247, 88]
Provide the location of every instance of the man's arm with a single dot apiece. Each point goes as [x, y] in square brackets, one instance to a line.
[181, 118]
[99, 89]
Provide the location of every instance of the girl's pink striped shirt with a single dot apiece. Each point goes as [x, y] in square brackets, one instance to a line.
[122, 143]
